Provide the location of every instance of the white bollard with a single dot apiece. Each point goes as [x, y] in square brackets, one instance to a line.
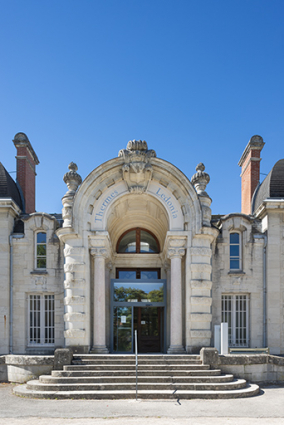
[224, 338]
[217, 338]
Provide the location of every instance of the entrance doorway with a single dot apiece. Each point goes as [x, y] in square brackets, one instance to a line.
[138, 304]
[148, 321]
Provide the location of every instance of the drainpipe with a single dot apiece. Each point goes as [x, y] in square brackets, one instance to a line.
[15, 236]
[264, 289]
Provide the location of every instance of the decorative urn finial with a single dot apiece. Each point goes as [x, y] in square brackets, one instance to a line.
[200, 179]
[72, 178]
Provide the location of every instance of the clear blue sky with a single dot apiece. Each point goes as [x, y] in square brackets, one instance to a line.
[195, 79]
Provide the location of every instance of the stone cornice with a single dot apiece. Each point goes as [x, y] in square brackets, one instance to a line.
[271, 205]
[8, 203]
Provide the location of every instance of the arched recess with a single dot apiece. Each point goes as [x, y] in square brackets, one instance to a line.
[132, 210]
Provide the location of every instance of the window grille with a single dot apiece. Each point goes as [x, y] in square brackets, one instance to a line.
[41, 319]
[235, 312]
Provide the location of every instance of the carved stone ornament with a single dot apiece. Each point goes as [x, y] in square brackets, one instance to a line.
[72, 179]
[137, 170]
[200, 179]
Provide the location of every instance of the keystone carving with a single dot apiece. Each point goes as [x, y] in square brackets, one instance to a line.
[137, 170]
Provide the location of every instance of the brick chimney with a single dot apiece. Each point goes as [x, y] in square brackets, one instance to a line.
[250, 163]
[26, 170]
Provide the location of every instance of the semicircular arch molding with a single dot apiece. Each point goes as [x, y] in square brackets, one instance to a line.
[100, 191]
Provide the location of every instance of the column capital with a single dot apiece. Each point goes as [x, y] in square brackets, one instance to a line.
[176, 252]
[99, 252]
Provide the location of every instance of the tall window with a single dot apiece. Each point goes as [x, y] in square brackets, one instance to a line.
[235, 251]
[235, 312]
[41, 250]
[41, 319]
[138, 241]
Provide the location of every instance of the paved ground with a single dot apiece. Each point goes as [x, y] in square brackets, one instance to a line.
[267, 408]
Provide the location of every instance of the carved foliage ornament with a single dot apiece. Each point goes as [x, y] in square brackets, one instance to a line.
[137, 170]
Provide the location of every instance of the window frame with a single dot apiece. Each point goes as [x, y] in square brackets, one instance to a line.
[43, 325]
[138, 240]
[235, 340]
[37, 257]
[234, 258]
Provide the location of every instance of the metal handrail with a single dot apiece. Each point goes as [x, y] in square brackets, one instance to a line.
[136, 361]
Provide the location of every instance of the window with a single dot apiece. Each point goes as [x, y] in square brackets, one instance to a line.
[235, 251]
[41, 319]
[41, 250]
[235, 312]
[138, 241]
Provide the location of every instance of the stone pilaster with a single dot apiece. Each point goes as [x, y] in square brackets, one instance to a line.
[75, 317]
[201, 285]
[99, 250]
[176, 250]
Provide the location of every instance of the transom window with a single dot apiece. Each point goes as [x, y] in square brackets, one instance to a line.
[235, 251]
[138, 241]
[41, 250]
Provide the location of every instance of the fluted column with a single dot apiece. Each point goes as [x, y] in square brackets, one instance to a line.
[99, 336]
[175, 254]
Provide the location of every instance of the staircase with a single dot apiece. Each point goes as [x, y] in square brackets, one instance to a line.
[159, 377]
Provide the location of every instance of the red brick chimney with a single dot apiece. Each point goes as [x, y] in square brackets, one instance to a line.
[250, 163]
[26, 170]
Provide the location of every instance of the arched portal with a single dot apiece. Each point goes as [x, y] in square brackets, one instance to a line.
[137, 191]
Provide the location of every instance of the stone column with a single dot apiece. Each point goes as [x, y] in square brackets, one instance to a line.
[99, 336]
[175, 253]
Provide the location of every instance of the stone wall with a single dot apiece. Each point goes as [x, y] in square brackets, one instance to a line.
[21, 369]
[29, 280]
[260, 368]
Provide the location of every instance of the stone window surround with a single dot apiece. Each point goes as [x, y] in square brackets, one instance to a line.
[37, 269]
[240, 269]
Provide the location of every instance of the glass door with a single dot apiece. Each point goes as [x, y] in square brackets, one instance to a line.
[138, 304]
[122, 330]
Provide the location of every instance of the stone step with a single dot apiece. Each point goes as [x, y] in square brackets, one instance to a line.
[132, 361]
[248, 391]
[48, 379]
[140, 356]
[157, 367]
[127, 372]
[126, 386]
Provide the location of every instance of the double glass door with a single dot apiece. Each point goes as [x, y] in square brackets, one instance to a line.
[138, 304]
[149, 323]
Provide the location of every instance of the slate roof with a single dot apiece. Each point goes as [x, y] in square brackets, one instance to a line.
[271, 187]
[8, 187]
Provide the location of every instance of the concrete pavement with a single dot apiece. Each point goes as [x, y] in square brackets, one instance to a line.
[266, 408]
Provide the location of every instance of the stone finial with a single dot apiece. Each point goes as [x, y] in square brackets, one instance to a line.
[72, 178]
[200, 180]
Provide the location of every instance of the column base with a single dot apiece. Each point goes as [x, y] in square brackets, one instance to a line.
[99, 349]
[176, 349]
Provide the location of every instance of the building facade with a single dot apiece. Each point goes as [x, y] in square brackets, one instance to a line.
[137, 248]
